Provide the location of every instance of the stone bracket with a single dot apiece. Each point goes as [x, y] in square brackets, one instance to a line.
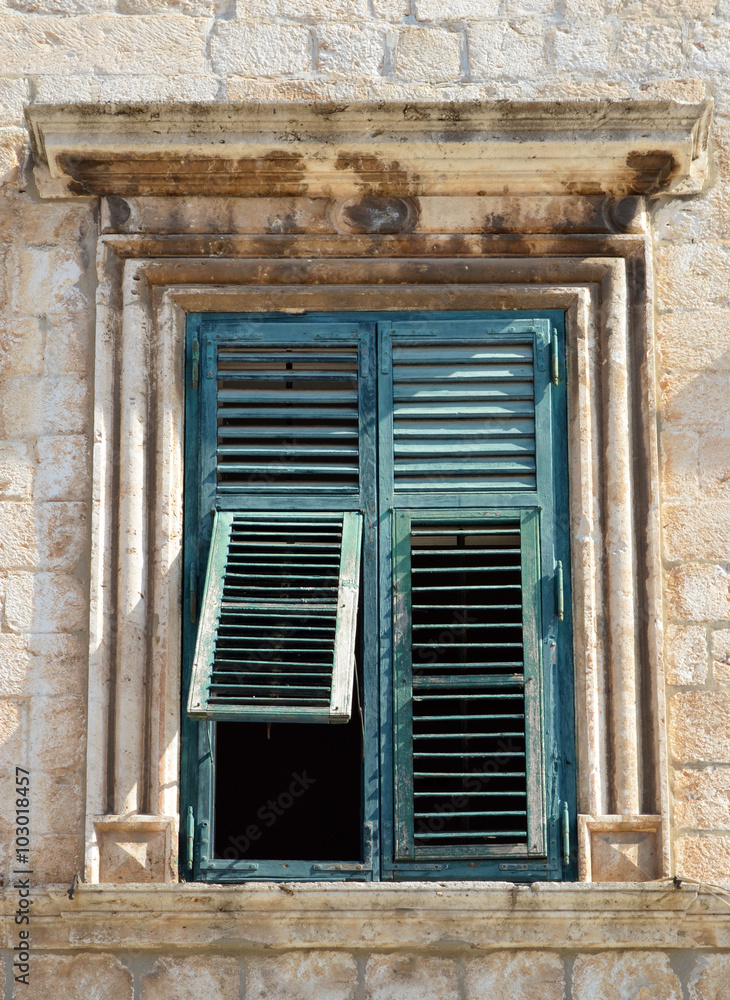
[135, 848]
[619, 848]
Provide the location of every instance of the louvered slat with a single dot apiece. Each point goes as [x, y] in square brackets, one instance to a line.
[463, 417]
[277, 631]
[287, 419]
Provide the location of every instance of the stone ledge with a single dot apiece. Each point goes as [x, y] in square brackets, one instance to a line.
[289, 149]
[467, 916]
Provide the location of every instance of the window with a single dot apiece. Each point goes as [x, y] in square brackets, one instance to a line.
[378, 675]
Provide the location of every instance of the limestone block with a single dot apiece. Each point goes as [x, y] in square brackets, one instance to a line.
[456, 10]
[391, 10]
[156, 88]
[721, 142]
[21, 345]
[193, 8]
[47, 224]
[32, 405]
[62, 7]
[696, 340]
[631, 975]
[14, 151]
[692, 399]
[260, 49]
[680, 464]
[532, 975]
[18, 536]
[687, 90]
[428, 54]
[710, 48]
[698, 593]
[62, 472]
[410, 977]
[324, 10]
[529, 8]
[678, 8]
[649, 47]
[61, 534]
[57, 858]
[48, 281]
[697, 531]
[706, 859]
[215, 977]
[702, 218]
[17, 469]
[82, 977]
[58, 664]
[67, 347]
[584, 48]
[685, 654]
[347, 49]
[693, 275]
[699, 726]
[13, 739]
[57, 800]
[714, 459]
[502, 49]
[584, 9]
[103, 43]
[13, 95]
[45, 602]
[57, 728]
[710, 977]
[15, 660]
[702, 798]
[324, 975]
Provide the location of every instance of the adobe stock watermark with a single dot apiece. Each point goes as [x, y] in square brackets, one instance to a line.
[21, 876]
[268, 814]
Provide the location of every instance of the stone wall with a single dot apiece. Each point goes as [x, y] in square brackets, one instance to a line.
[69, 51]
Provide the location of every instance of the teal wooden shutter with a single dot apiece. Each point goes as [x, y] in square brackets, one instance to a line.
[276, 640]
[468, 742]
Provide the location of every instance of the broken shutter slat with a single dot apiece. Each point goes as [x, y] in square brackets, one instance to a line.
[276, 640]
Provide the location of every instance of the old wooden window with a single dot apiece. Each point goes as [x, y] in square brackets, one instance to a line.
[435, 446]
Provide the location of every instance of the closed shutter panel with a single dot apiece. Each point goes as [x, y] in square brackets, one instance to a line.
[276, 640]
[467, 703]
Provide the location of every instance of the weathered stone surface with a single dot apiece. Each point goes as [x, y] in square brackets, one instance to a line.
[391, 10]
[345, 46]
[705, 218]
[108, 43]
[699, 726]
[57, 800]
[410, 977]
[217, 978]
[698, 593]
[62, 472]
[431, 54]
[22, 344]
[151, 87]
[652, 47]
[13, 95]
[18, 536]
[710, 977]
[58, 664]
[686, 657]
[57, 732]
[61, 534]
[702, 798]
[721, 655]
[260, 50]
[456, 10]
[80, 977]
[697, 531]
[693, 340]
[32, 405]
[501, 49]
[306, 976]
[638, 975]
[710, 48]
[706, 859]
[680, 464]
[13, 736]
[325, 10]
[17, 469]
[515, 976]
[714, 460]
[14, 664]
[584, 48]
[193, 8]
[45, 602]
[693, 275]
[693, 399]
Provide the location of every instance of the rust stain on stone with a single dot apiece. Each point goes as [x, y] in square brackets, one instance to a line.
[275, 173]
[652, 169]
[376, 176]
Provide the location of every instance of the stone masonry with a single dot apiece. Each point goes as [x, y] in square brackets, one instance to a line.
[115, 51]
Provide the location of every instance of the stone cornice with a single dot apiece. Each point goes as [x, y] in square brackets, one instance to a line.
[458, 917]
[589, 147]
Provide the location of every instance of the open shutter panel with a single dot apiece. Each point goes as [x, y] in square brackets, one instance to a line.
[276, 639]
[467, 688]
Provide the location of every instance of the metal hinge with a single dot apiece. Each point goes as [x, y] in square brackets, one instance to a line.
[566, 834]
[560, 591]
[195, 375]
[555, 358]
[190, 838]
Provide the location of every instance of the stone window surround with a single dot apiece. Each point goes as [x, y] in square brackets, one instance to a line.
[148, 283]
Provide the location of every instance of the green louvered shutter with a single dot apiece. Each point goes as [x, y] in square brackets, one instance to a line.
[276, 640]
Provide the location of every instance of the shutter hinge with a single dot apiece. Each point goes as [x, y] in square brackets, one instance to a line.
[195, 378]
[190, 837]
[560, 592]
[555, 359]
[565, 819]
[193, 596]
